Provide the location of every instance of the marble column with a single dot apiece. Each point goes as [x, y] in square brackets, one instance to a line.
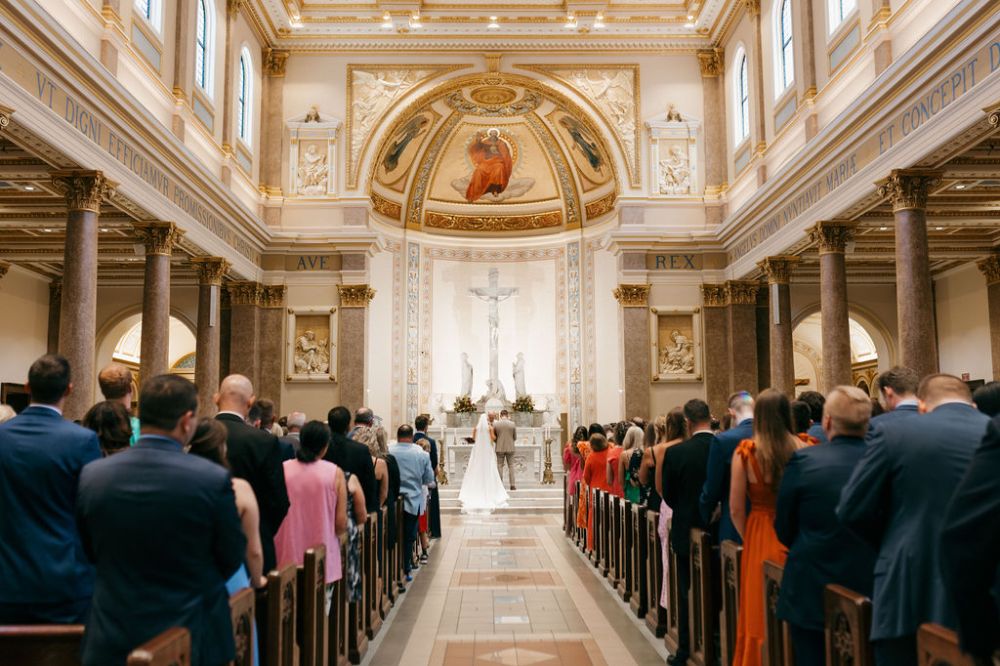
[741, 296]
[225, 332]
[634, 301]
[713, 100]
[183, 74]
[778, 270]
[715, 324]
[55, 298]
[757, 63]
[84, 191]
[244, 336]
[832, 239]
[352, 324]
[907, 191]
[763, 315]
[990, 266]
[208, 338]
[159, 239]
[273, 123]
[228, 81]
[271, 343]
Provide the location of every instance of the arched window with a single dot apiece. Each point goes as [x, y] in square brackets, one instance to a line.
[742, 86]
[244, 97]
[838, 11]
[204, 46]
[152, 11]
[785, 58]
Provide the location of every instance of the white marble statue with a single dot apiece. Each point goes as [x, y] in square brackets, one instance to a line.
[466, 375]
[679, 358]
[311, 355]
[518, 370]
[675, 172]
[493, 295]
[313, 172]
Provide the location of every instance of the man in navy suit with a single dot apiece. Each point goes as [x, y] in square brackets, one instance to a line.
[162, 528]
[421, 424]
[720, 457]
[896, 500]
[897, 389]
[821, 550]
[44, 576]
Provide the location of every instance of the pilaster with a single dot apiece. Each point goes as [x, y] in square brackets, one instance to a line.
[634, 302]
[352, 335]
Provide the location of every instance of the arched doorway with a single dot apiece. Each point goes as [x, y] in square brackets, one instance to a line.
[121, 343]
[807, 342]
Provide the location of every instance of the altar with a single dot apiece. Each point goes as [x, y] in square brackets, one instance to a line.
[455, 447]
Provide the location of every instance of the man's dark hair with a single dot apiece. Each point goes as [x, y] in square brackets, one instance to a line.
[802, 415]
[255, 414]
[697, 411]
[48, 379]
[421, 422]
[110, 420]
[815, 400]
[315, 437]
[266, 413]
[404, 432]
[364, 415]
[595, 429]
[164, 399]
[339, 419]
[987, 398]
[902, 380]
[504, 412]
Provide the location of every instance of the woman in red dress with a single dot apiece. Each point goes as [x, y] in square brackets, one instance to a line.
[595, 476]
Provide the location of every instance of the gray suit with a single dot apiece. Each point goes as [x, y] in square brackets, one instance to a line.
[506, 437]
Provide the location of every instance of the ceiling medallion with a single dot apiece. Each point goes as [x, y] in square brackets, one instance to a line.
[493, 95]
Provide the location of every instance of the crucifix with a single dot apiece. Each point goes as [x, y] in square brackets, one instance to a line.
[493, 294]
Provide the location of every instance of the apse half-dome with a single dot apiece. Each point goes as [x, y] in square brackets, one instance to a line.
[493, 153]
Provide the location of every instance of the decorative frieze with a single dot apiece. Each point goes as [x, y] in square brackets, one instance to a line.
[632, 295]
[355, 295]
[742, 292]
[158, 237]
[990, 266]
[778, 268]
[833, 236]
[84, 190]
[210, 269]
[907, 189]
[713, 295]
[711, 63]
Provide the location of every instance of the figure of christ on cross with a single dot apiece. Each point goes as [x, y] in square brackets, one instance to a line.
[493, 294]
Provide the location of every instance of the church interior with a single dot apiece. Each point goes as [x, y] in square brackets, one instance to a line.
[579, 211]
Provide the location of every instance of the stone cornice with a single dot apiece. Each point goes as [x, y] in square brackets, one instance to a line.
[210, 269]
[158, 237]
[84, 190]
[907, 189]
[778, 269]
[355, 295]
[833, 236]
[632, 295]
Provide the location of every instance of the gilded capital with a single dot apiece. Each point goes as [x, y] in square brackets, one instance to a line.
[742, 292]
[158, 237]
[710, 61]
[5, 113]
[632, 295]
[355, 295]
[907, 189]
[274, 61]
[272, 295]
[713, 295]
[778, 268]
[244, 292]
[990, 266]
[752, 7]
[833, 236]
[84, 190]
[233, 7]
[210, 269]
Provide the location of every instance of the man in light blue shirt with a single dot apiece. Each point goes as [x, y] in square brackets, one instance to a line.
[415, 472]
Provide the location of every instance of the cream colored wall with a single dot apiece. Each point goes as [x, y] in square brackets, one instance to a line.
[380, 317]
[315, 399]
[606, 330]
[963, 325]
[24, 301]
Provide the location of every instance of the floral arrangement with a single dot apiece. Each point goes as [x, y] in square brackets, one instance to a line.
[463, 405]
[524, 403]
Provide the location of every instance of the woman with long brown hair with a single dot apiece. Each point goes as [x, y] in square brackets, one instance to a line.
[756, 473]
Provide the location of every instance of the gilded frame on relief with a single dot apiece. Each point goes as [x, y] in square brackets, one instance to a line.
[675, 344]
[311, 348]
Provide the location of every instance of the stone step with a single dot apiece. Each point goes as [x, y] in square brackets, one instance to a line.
[538, 499]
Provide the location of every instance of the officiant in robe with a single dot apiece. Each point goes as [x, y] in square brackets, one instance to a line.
[493, 165]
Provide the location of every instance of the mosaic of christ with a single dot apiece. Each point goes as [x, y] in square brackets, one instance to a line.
[493, 159]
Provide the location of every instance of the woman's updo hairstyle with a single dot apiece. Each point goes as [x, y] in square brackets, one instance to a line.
[314, 437]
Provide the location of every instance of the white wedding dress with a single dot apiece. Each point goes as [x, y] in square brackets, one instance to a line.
[482, 490]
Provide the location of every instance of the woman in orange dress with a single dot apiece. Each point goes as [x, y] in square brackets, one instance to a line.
[615, 449]
[756, 472]
[595, 477]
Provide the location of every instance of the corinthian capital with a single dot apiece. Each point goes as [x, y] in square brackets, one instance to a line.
[779, 268]
[990, 266]
[833, 236]
[233, 7]
[272, 295]
[632, 295]
[210, 269]
[710, 61]
[713, 295]
[274, 61]
[742, 292]
[355, 295]
[752, 7]
[158, 237]
[907, 189]
[84, 190]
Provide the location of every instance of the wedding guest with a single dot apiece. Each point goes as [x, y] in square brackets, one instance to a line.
[352, 457]
[112, 423]
[897, 388]
[683, 475]
[715, 493]
[987, 398]
[615, 449]
[801, 417]
[414, 473]
[45, 576]
[896, 500]
[573, 458]
[268, 420]
[6, 413]
[758, 465]
[821, 551]
[630, 461]
[162, 529]
[294, 423]
[584, 448]
[815, 400]
[117, 385]
[421, 423]
[595, 477]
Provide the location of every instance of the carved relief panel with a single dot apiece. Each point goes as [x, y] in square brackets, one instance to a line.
[312, 155]
[312, 351]
[675, 335]
[673, 155]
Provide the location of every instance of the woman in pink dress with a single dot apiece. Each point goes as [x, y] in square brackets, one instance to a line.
[317, 493]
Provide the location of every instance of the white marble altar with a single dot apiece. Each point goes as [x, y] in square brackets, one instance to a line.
[529, 453]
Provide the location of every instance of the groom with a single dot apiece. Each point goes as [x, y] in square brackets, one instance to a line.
[506, 436]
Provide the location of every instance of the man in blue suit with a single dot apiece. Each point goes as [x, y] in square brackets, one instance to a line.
[896, 500]
[821, 550]
[44, 576]
[897, 389]
[720, 457]
[162, 528]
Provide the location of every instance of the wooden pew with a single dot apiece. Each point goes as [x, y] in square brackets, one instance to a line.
[385, 570]
[671, 639]
[702, 611]
[337, 621]
[848, 623]
[40, 644]
[581, 532]
[171, 648]
[569, 521]
[311, 608]
[373, 586]
[777, 640]
[281, 617]
[357, 634]
[731, 557]
[241, 612]
[594, 523]
[605, 532]
[627, 539]
[615, 524]
[640, 585]
[400, 554]
[938, 646]
[656, 615]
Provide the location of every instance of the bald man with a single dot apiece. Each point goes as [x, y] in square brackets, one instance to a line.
[896, 500]
[254, 455]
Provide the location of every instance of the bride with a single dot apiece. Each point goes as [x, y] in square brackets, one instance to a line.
[482, 490]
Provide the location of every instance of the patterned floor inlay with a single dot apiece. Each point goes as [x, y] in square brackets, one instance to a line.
[502, 542]
[531, 652]
[505, 579]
